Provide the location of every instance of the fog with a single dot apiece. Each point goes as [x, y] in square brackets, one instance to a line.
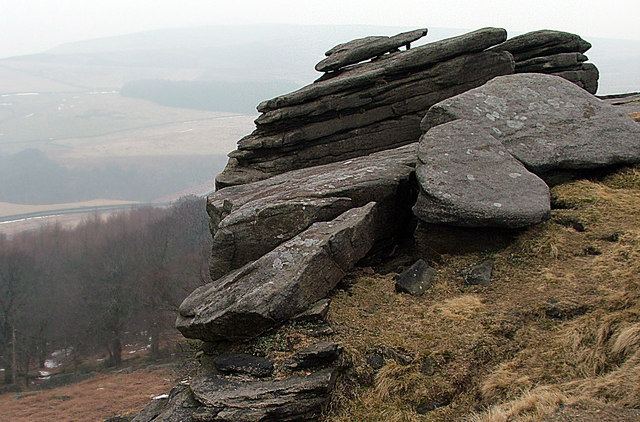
[36, 25]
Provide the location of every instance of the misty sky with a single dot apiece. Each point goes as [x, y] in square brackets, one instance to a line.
[30, 26]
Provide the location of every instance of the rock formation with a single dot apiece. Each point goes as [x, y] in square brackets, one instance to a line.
[363, 108]
[335, 168]
[553, 52]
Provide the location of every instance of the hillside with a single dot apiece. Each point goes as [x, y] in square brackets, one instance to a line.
[555, 328]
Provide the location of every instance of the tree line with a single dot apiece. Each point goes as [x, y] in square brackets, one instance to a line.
[105, 282]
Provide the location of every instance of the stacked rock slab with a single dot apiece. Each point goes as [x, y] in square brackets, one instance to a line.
[292, 395]
[261, 285]
[485, 152]
[363, 108]
[553, 52]
[247, 221]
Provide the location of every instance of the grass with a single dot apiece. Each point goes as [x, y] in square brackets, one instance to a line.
[558, 327]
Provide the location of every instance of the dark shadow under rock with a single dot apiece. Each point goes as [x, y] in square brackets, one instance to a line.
[319, 354]
[244, 364]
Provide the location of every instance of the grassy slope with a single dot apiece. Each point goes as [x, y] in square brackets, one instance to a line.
[95, 399]
[494, 353]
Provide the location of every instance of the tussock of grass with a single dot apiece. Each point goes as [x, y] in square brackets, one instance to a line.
[496, 353]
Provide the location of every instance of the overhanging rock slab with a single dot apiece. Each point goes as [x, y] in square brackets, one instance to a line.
[282, 283]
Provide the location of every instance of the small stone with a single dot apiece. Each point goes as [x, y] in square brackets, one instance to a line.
[428, 365]
[613, 237]
[375, 359]
[479, 274]
[591, 251]
[416, 280]
[427, 406]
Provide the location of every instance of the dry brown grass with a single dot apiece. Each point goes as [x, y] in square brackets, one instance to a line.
[94, 399]
[498, 354]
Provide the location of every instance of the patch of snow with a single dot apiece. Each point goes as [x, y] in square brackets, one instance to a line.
[20, 94]
[51, 364]
[160, 397]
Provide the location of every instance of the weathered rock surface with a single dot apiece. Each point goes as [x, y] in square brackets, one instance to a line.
[550, 64]
[178, 407]
[319, 354]
[292, 399]
[366, 48]
[243, 364]
[364, 108]
[248, 221]
[316, 313]
[282, 283]
[467, 178]
[553, 52]
[549, 125]
[416, 280]
[210, 397]
[543, 43]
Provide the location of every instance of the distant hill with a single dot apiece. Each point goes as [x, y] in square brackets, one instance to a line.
[262, 54]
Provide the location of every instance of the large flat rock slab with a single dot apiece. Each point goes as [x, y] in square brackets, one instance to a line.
[467, 178]
[367, 73]
[282, 283]
[297, 398]
[543, 43]
[355, 122]
[250, 220]
[547, 123]
[362, 49]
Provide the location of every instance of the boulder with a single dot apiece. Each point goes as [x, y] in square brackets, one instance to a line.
[255, 366]
[282, 283]
[548, 124]
[468, 178]
[247, 221]
[366, 48]
[416, 280]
